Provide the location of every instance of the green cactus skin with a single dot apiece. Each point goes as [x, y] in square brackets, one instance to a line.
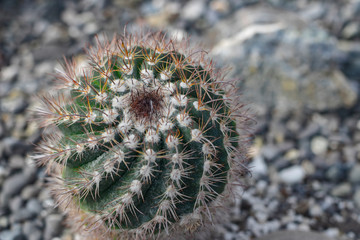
[149, 139]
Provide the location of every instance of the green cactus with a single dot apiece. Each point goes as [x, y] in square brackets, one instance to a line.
[150, 137]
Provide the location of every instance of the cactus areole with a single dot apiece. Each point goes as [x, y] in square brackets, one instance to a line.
[149, 137]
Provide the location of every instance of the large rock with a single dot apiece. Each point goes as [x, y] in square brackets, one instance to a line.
[285, 64]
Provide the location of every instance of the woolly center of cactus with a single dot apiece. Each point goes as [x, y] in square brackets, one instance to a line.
[146, 105]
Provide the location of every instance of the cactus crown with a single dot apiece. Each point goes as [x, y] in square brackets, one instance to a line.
[148, 140]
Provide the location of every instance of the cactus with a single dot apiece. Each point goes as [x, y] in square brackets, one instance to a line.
[149, 138]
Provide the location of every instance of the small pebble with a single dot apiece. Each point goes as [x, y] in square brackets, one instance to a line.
[258, 166]
[12, 235]
[35, 235]
[341, 190]
[316, 210]
[22, 215]
[270, 151]
[15, 183]
[34, 206]
[4, 222]
[332, 232]
[30, 191]
[292, 175]
[319, 145]
[53, 226]
[16, 203]
[354, 176]
[193, 10]
[357, 198]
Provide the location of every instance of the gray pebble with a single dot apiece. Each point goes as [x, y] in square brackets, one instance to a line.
[30, 191]
[285, 146]
[313, 11]
[331, 159]
[5, 88]
[43, 68]
[3, 172]
[28, 87]
[357, 198]
[193, 10]
[29, 227]
[16, 162]
[33, 205]
[349, 11]
[350, 154]
[354, 175]
[16, 203]
[13, 104]
[40, 223]
[49, 52]
[16, 227]
[351, 66]
[22, 215]
[270, 151]
[11, 235]
[9, 73]
[336, 173]
[35, 235]
[70, 16]
[310, 130]
[341, 190]
[15, 183]
[2, 127]
[91, 28]
[351, 30]
[12, 145]
[53, 226]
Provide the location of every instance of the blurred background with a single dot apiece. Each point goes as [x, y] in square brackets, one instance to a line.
[297, 64]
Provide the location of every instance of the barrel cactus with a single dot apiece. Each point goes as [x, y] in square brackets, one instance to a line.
[147, 138]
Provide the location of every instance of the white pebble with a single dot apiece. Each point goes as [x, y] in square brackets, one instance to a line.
[319, 145]
[316, 210]
[292, 175]
[332, 232]
[258, 166]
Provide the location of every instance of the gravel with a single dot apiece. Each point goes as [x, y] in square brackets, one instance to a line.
[298, 61]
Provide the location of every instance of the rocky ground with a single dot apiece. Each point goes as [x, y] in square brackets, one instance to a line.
[297, 64]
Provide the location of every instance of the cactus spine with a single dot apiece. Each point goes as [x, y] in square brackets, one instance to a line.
[149, 140]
